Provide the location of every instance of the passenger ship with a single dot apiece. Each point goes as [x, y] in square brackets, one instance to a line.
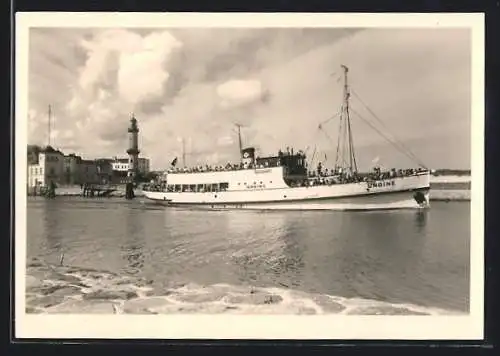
[283, 181]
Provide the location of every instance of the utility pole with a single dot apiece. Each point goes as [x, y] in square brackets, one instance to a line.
[49, 128]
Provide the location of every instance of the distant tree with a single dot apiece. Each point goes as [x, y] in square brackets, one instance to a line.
[452, 172]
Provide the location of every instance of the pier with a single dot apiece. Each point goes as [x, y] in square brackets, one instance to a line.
[97, 190]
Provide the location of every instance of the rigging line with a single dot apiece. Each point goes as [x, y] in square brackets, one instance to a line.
[383, 124]
[327, 136]
[312, 157]
[351, 145]
[414, 158]
[337, 154]
[401, 145]
[408, 154]
[329, 119]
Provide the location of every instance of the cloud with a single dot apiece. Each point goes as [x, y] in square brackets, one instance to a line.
[225, 141]
[239, 92]
[279, 83]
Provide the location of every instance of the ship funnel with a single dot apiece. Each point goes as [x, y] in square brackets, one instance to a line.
[248, 156]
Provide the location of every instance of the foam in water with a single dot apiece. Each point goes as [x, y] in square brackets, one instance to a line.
[63, 289]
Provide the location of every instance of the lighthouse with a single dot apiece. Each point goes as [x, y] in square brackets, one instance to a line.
[133, 148]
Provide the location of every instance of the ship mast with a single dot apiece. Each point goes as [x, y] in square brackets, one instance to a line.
[183, 152]
[346, 158]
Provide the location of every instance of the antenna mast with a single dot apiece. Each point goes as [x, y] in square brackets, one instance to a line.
[239, 136]
[49, 119]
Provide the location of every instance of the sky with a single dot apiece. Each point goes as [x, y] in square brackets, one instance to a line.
[280, 84]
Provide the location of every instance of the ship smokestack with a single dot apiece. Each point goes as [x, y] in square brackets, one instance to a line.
[248, 156]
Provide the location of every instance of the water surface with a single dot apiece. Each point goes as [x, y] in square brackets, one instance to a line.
[419, 258]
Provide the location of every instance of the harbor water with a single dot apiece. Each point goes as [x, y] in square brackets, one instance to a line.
[412, 260]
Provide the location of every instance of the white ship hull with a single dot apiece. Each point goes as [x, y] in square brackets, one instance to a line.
[411, 192]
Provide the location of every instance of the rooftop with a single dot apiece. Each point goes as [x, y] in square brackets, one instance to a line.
[49, 149]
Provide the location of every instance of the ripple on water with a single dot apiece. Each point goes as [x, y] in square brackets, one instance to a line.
[62, 289]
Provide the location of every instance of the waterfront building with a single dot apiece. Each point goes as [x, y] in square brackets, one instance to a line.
[104, 170]
[123, 165]
[81, 171]
[44, 165]
[72, 169]
[88, 172]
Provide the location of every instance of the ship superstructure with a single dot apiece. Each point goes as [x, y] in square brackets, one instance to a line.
[284, 180]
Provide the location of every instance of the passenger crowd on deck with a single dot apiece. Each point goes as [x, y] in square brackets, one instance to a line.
[230, 166]
[338, 176]
[320, 176]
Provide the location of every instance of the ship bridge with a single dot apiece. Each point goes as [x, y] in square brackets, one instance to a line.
[294, 165]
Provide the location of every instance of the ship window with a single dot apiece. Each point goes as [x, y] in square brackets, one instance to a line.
[208, 187]
[215, 187]
[177, 188]
[200, 188]
[192, 188]
[224, 186]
